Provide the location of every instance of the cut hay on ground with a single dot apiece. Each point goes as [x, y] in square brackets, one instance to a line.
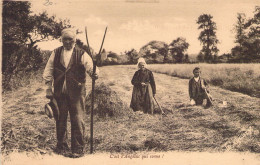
[107, 102]
[117, 128]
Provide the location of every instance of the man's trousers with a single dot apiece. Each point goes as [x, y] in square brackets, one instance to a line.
[75, 107]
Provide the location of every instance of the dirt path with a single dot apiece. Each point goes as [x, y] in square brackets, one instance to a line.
[236, 127]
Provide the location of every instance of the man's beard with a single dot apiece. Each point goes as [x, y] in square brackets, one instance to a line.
[68, 47]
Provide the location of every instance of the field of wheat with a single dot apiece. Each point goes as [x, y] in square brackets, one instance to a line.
[244, 78]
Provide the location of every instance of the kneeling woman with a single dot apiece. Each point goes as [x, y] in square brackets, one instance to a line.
[144, 89]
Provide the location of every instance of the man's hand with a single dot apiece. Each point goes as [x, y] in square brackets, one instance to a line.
[49, 94]
[94, 76]
[143, 84]
[203, 87]
[192, 102]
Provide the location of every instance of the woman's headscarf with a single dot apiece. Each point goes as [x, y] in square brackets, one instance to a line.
[141, 60]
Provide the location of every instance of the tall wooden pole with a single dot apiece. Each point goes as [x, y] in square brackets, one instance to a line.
[93, 89]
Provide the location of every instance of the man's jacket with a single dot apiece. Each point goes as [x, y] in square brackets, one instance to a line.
[195, 88]
[74, 75]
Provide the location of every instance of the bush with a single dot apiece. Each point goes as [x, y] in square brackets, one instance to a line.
[24, 66]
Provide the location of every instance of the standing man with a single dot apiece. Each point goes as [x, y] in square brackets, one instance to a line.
[65, 77]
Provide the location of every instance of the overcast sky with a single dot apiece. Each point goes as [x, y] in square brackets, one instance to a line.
[134, 24]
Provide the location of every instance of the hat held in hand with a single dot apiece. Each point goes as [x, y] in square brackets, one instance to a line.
[52, 110]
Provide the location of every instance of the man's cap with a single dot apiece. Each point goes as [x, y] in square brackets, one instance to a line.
[68, 32]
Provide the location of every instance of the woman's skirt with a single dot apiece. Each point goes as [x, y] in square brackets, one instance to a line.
[142, 99]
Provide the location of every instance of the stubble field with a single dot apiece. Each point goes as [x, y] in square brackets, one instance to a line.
[234, 127]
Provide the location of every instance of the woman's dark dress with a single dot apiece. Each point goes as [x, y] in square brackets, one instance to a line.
[142, 96]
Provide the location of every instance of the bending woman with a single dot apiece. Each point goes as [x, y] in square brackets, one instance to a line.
[144, 89]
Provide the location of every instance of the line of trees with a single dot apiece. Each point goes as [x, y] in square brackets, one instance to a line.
[247, 39]
[22, 30]
[153, 52]
[247, 48]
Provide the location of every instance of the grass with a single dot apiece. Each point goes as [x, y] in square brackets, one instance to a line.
[117, 128]
[21, 79]
[244, 78]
